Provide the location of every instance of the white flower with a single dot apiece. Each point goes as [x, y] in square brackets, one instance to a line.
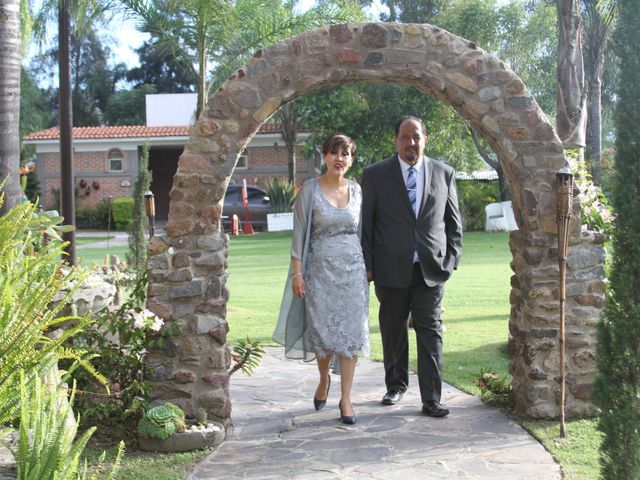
[157, 324]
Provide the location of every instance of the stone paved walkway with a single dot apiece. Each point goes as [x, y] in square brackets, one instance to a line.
[278, 434]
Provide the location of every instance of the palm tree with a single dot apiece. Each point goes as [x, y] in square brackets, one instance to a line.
[224, 33]
[10, 102]
[281, 21]
[84, 12]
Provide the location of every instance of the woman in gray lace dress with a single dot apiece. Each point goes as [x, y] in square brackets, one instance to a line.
[328, 272]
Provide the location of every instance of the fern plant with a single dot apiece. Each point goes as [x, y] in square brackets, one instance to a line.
[46, 448]
[31, 275]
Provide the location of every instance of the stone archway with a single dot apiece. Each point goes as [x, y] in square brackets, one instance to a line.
[187, 267]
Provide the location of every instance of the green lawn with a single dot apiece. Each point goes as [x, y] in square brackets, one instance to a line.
[88, 255]
[476, 322]
[476, 301]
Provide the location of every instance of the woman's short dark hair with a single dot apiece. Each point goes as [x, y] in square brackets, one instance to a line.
[339, 142]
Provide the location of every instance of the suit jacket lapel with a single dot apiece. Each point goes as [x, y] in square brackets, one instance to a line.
[398, 179]
[428, 165]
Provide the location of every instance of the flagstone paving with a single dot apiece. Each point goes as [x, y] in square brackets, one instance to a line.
[279, 435]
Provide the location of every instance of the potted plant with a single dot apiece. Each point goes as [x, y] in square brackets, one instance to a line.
[164, 429]
[281, 193]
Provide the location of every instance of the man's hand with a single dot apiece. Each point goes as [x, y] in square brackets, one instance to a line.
[370, 276]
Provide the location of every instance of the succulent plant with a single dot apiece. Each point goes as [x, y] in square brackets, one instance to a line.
[162, 421]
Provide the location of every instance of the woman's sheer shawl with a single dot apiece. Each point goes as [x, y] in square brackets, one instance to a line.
[291, 329]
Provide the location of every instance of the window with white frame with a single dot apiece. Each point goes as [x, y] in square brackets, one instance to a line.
[243, 162]
[115, 161]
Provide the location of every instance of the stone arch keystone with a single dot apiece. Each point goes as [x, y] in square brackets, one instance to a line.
[187, 267]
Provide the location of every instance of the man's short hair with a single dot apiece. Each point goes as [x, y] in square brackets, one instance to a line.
[404, 118]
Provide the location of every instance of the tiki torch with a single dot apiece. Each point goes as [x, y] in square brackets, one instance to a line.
[564, 194]
[150, 207]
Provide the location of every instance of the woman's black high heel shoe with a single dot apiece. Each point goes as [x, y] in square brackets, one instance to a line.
[347, 419]
[319, 404]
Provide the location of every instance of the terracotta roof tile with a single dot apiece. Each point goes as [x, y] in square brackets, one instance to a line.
[128, 131]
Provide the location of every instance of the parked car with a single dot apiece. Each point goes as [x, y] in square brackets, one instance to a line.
[259, 207]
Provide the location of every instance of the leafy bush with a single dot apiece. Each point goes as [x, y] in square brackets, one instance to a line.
[595, 211]
[162, 421]
[137, 255]
[281, 193]
[122, 210]
[473, 196]
[495, 390]
[31, 276]
[93, 217]
[46, 448]
[119, 342]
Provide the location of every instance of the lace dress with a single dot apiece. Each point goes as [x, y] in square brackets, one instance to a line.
[336, 287]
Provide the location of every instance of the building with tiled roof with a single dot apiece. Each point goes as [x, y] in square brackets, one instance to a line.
[105, 159]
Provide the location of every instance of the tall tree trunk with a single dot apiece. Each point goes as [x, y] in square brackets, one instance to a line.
[67, 200]
[505, 195]
[202, 81]
[10, 103]
[598, 25]
[594, 131]
[287, 116]
[571, 114]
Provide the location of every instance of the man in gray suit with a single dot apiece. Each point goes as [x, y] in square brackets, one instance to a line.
[412, 241]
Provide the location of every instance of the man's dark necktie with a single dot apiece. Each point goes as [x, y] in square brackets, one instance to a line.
[411, 187]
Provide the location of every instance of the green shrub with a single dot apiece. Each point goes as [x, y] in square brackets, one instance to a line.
[618, 382]
[119, 342]
[162, 421]
[137, 255]
[31, 276]
[122, 210]
[93, 217]
[473, 196]
[281, 193]
[495, 390]
[46, 448]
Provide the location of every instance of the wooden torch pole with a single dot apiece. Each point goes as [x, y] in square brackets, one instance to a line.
[564, 195]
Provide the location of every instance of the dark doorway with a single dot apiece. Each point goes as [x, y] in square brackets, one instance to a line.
[163, 163]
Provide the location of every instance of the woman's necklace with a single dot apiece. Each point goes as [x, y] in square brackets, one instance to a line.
[335, 190]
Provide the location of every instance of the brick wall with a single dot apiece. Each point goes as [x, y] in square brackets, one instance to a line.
[260, 157]
[91, 168]
[93, 182]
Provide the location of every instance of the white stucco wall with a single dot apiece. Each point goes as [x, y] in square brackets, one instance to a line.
[170, 109]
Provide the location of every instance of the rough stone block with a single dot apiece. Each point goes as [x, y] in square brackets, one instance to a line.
[205, 323]
[192, 289]
[374, 35]
[340, 33]
[184, 376]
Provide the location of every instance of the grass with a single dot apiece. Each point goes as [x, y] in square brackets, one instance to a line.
[89, 255]
[476, 321]
[577, 453]
[145, 466]
[476, 301]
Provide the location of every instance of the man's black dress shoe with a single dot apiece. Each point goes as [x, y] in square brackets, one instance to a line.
[319, 404]
[434, 409]
[391, 397]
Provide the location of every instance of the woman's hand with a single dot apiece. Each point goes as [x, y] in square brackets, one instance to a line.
[297, 285]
